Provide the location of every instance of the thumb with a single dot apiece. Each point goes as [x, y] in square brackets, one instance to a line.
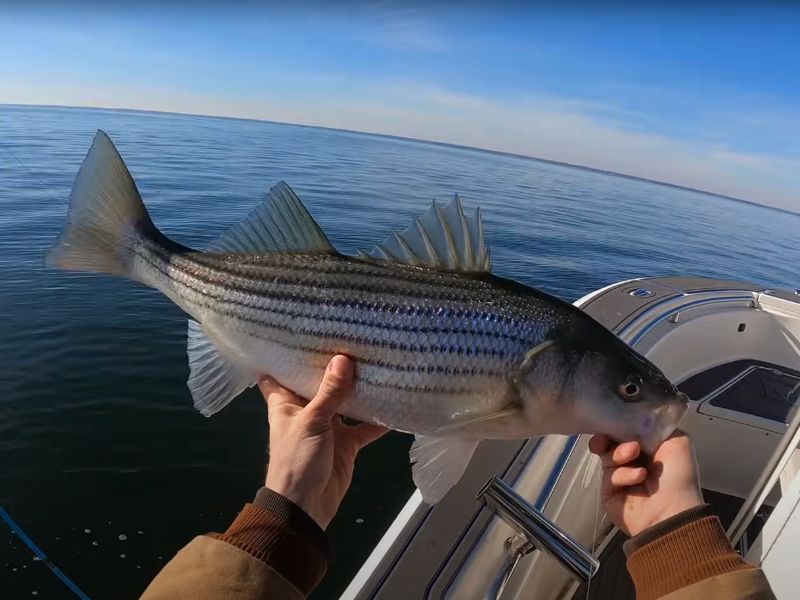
[334, 390]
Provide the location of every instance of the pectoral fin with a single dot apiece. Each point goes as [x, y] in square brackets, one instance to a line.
[483, 421]
[439, 462]
[531, 355]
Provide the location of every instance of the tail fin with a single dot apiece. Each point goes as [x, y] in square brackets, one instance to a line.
[106, 214]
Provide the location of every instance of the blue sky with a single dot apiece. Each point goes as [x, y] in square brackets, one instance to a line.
[706, 98]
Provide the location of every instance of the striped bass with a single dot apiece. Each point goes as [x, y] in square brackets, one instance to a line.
[443, 349]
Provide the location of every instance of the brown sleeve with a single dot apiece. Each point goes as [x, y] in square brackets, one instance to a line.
[277, 532]
[209, 569]
[682, 551]
[744, 584]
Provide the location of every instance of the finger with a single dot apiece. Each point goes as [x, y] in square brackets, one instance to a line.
[678, 433]
[599, 443]
[623, 477]
[607, 489]
[277, 395]
[677, 439]
[334, 389]
[268, 386]
[622, 454]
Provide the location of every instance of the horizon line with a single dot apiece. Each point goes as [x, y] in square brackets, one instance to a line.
[412, 139]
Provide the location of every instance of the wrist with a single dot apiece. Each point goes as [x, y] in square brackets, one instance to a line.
[649, 514]
[301, 498]
[678, 506]
[665, 526]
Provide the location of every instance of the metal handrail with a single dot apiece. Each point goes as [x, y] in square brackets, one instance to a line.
[691, 301]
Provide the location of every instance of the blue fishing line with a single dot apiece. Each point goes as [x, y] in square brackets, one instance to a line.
[41, 555]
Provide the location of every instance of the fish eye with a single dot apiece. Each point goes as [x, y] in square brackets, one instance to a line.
[630, 389]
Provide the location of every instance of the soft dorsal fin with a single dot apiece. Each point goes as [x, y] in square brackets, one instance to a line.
[443, 238]
[280, 224]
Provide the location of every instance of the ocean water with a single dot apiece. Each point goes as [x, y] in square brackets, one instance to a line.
[103, 461]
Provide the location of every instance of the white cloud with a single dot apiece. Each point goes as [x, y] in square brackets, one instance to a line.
[556, 129]
[403, 28]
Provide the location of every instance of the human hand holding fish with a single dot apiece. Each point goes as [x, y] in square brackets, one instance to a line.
[311, 452]
[636, 497]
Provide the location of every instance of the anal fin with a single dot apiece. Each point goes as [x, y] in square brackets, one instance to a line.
[213, 379]
[438, 464]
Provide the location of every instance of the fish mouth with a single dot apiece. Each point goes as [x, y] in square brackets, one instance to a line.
[666, 420]
[677, 408]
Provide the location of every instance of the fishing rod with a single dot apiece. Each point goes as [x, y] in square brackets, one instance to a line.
[40, 555]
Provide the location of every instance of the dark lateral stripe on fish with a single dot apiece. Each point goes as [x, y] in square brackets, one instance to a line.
[335, 281]
[371, 306]
[364, 376]
[431, 284]
[262, 289]
[363, 305]
[258, 288]
[430, 369]
[415, 389]
[353, 268]
[427, 349]
[441, 349]
[343, 336]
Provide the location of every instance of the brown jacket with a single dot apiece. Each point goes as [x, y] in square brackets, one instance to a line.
[273, 550]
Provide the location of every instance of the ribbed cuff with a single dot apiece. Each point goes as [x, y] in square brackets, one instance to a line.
[276, 531]
[671, 555]
[664, 527]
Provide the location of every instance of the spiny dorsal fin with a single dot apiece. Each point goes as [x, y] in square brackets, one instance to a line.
[280, 224]
[442, 238]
